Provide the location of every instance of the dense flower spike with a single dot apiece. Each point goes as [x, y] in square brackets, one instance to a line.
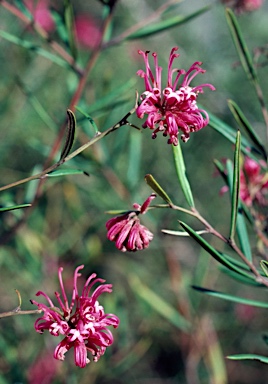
[83, 322]
[174, 109]
[126, 230]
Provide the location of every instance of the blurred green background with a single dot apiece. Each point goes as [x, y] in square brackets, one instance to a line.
[67, 225]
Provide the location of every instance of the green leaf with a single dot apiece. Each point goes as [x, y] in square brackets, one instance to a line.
[67, 172]
[13, 207]
[89, 118]
[263, 359]
[241, 47]
[180, 233]
[164, 25]
[235, 187]
[244, 124]
[181, 173]
[34, 48]
[70, 135]
[69, 22]
[214, 253]
[240, 223]
[150, 180]
[158, 304]
[230, 134]
[232, 298]
[264, 265]
[240, 278]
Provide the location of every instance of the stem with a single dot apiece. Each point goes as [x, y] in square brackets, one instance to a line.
[18, 311]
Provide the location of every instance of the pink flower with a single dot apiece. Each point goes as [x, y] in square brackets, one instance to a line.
[127, 231]
[43, 370]
[83, 323]
[253, 183]
[41, 13]
[241, 6]
[87, 31]
[174, 109]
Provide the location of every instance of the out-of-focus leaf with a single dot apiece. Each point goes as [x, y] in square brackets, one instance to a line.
[70, 135]
[180, 233]
[89, 118]
[233, 298]
[13, 207]
[165, 24]
[21, 6]
[214, 253]
[240, 224]
[150, 180]
[181, 172]
[235, 187]
[230, 134]
[34, 48]
[67, 172]
[69, 22]
[263, 359]
[243, 123]
[158, 304]
[241, 47]
[134, 165]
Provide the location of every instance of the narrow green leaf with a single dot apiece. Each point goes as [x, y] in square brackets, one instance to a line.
[235, 187]
[241, 47]
[70, 135]
[13, 207]
[89, 118]
[240, 278]
[180, 233]
[214, 253]
[240, 223]
[158, 304]
[66, 172]
[181, 173]
[69, 22]
[150, 180]
[230, 134]
[232, 298]
[245, 124]
[263, 359]
[264, 265]
[164, 25]
[34, 48]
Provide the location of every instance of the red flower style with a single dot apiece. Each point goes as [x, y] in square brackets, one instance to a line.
[127, 231]
[83, 322]
[174, 109]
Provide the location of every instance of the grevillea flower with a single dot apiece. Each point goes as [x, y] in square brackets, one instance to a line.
[241, 6]
[127, 231]
[174, 109]
[83, 323]
[87, 32]
[253, 184]
[41, 13]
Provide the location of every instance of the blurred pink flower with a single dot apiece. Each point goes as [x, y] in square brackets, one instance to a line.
[43, 369]
[127, 231]
[253, 183]
[174, 109]
[87, 32]
[83, 322]
[41, 13]
[241, 6]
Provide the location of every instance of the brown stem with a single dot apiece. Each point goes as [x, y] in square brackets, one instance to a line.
[18, 311]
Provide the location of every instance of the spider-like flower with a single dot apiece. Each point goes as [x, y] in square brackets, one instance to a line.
[127, 231]
[83, 323]
[174, 109]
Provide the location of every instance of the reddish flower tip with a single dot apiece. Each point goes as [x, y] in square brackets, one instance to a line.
[83, 323]
[126, 230]
[173, 109]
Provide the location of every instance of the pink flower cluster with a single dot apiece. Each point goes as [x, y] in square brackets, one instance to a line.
[126, 230]
[253, 184]
[174, 109]
[83, 323]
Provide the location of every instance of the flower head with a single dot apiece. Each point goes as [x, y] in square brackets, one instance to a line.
[87, 32]
[174, 108]
[41, 14]
[127, 231]
[83, 323]
[241, 6]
